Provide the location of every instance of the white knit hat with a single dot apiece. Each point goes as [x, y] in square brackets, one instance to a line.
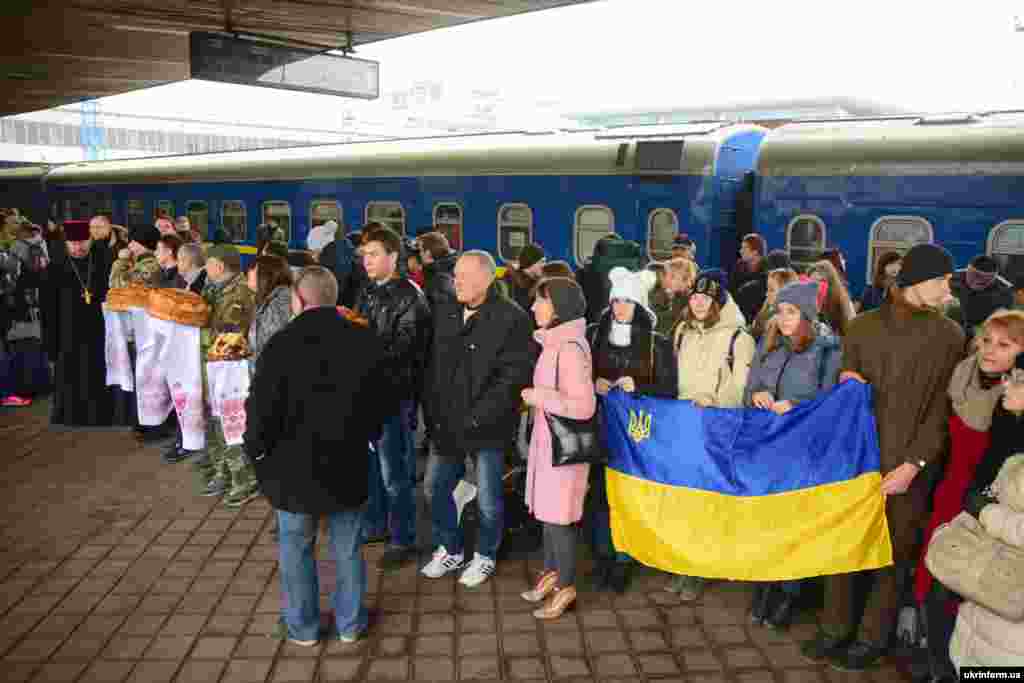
[322, 235]
[635, 287]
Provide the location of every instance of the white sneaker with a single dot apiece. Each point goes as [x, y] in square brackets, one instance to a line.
[478, 571]
[442, 563]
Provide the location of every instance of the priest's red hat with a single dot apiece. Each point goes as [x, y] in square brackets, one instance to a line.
[76, 231]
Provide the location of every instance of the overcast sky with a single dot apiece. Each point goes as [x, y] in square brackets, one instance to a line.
[626, 54]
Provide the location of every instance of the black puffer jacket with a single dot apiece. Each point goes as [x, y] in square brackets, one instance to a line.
[476, 373]
[646, 348]
[439, 280]
[400, 317]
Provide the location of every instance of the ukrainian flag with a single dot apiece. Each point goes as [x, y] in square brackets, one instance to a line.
[746, 494]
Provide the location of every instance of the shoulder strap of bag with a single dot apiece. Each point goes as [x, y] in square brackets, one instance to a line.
[730, 357]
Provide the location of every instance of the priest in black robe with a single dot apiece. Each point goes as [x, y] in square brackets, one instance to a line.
[73, 290]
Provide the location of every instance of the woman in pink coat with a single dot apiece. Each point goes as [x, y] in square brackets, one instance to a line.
[555, 494]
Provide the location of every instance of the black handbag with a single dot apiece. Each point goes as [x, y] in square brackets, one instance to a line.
[576, 442]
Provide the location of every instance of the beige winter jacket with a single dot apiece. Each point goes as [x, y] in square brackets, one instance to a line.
[703, 369]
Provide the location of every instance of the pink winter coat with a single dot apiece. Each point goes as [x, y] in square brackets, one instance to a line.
[555, 494]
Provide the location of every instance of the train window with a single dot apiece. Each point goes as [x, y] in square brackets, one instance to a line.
[232, 220]
[390, 214]
[278, 214]
[805, 238]
[515, 230]
[164, 208]
[448, 221]
[592, 223]
[662, 228]
[895, 233]
[134, 212]
[323, 210]
[1006, 246]
[198, 213]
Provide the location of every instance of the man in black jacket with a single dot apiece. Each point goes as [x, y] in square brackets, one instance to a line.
[191, 268]
[399, 316]
[311, 412]
[482, 357]
[167, 256]
[438, 268]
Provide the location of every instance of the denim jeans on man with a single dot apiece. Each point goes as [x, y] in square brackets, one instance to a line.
[396, 465]
[300, 584]
[443, 474]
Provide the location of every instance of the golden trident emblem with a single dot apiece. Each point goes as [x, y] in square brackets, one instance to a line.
[639, 426]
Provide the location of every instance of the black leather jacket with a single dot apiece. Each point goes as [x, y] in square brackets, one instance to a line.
[439, 280]
[400, 316]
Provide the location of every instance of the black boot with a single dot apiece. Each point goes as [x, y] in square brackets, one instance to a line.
[618, 578]
[761, 603]
[781, 616]
[600, 574]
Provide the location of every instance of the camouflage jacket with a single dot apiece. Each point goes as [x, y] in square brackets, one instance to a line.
[143, 270]
[231, 308]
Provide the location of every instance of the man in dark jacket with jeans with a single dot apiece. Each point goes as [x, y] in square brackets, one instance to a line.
[399, 316]
[482, 357]
[311, 412]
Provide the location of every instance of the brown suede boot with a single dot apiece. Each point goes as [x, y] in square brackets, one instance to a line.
[546, 582]
[561, 600]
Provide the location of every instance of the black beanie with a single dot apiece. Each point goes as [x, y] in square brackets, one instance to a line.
[530, 255]
[924, 262]
[777, 259]
[146, 235]
[567, 298]
[984, 264]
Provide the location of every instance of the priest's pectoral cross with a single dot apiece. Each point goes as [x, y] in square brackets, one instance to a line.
[87, 295]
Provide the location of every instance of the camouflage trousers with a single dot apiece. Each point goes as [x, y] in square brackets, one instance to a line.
[224, 463]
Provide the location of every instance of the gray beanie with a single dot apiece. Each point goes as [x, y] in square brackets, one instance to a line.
[803, 295]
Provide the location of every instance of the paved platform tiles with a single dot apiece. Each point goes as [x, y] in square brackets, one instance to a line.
[112, 570]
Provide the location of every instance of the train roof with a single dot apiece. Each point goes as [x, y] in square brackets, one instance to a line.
[605, 152]
[957, 144]
[33, 172]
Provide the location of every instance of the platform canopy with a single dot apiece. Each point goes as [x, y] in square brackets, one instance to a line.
[56, 52]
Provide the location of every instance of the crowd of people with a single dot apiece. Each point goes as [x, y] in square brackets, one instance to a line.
[369, 333]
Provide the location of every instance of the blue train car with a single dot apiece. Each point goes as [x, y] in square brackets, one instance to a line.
[872, 186]
[495, 191]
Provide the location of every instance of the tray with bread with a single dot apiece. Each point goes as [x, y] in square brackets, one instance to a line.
[126, 298]
[178, 306]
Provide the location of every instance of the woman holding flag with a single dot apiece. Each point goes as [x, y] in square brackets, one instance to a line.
[798, 359]
[714, 353]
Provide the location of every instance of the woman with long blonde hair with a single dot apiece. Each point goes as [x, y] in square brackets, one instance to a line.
[837, 308]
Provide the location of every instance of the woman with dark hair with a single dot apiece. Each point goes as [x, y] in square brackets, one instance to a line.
[270, 279]
[563, 386]
[838, 261]
[556, 269]
[777, 279]
[886, 272]
[836, 307]
[799, 358]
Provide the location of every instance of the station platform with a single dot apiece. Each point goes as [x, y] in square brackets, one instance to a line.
[113, 570]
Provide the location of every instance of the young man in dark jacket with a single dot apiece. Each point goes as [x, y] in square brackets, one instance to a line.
[310, 413]
[907, 351]
[399, 316]
[438, 268]
[482, 357]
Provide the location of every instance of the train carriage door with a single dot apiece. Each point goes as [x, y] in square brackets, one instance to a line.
[448, 221]
[895, 233]
[1006, 246]
[662, 229]
[198, 213]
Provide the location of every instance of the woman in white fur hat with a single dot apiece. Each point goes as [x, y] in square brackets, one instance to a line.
[629, 354]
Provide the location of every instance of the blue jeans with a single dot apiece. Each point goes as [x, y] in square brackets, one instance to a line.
[443, 473]
[396, 463]
[300, 584]
[376, 522]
